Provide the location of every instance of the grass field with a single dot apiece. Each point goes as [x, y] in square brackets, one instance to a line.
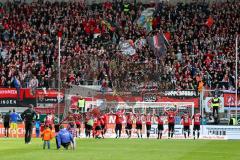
[123, 149]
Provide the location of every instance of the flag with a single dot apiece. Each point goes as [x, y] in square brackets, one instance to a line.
[145, 20]
[108, 25]
[158, 44]
[209, 22]
[167, 36]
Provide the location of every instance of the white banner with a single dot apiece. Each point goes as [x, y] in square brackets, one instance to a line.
[206, 132]
[208, 104]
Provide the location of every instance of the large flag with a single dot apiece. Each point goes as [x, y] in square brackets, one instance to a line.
[209, 22]
[145, 20]
[158, 44]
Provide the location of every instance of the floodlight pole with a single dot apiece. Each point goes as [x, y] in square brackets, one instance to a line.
[59, 72]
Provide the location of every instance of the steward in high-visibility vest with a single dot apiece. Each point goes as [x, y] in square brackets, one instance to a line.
[81, 105]
[215, 105]
[126, 7]
[233, 121]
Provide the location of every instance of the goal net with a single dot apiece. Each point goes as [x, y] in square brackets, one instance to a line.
[150, 107]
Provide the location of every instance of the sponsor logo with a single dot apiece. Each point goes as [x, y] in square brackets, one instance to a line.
[8, 102]
[149, 97]
[180, 93]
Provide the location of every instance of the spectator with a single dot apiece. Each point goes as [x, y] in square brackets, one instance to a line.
[33, 85]
[14, 117]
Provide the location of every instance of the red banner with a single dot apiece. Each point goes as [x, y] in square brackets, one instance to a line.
[9, 97]
[229, 99]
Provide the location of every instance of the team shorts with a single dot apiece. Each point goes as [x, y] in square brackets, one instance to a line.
[170, 126]
[129, 126]
[88, 127]
[103, 126]
[14, 126]
[6, 125]
[160, 127]
[118, 127]
[98, 128]
[148, 127]
[139, 126]
[78, 125]
[196, 127]
[186, 128]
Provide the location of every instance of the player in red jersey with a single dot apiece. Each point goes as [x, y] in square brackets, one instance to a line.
[171, 121]
[104, 119]
[88, 124]
[78, 125]
[129, 124]
[148, 118]
[160, 121]
[119, 121]
[186, 120]
[197, 122]
[49, 120]
[97, 127]
[138, 118]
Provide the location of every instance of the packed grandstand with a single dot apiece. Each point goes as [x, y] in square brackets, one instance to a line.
[201, 39]
[148, 59]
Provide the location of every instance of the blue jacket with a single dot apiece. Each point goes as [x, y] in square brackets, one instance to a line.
[37, 124]
[14, 117]
[64, 136]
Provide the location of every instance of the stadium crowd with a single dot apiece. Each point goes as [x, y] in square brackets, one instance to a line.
[90, 51]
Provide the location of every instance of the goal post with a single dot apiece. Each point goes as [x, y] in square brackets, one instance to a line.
[158, 107]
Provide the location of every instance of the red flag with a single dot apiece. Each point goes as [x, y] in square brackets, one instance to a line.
[209, 22]
[59, 34]
[167, 36]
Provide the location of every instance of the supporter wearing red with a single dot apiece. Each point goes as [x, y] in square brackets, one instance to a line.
[119, 121]
[197, 122]
[138, 118]
[186, 121]
[160, 121]
[130, 118]
[171, 121]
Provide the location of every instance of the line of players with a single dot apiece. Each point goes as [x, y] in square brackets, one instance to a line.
[96, 123]
[130, 116]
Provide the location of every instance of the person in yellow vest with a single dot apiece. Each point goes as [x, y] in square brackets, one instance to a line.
[233, 121]
[215, 105]
[126, 8]
[81, 104]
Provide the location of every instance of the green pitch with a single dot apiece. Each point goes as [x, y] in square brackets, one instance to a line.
[123, 149]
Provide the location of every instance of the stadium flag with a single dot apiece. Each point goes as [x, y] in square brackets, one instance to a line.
[145, 20]
[158, 43]
[209, 21]
[167, 36]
